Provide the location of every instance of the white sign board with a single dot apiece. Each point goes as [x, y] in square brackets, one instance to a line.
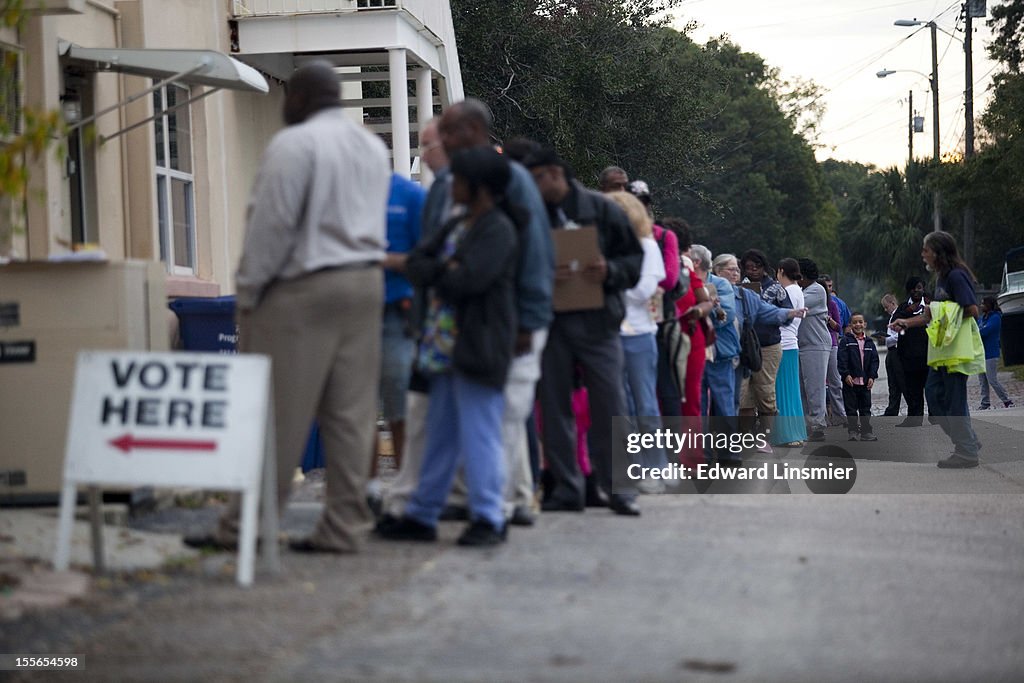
[198, 420]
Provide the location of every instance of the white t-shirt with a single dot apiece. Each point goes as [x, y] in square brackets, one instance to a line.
[638, 318]
[789, 332]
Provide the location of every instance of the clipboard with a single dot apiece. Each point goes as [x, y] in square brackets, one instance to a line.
[576, 248]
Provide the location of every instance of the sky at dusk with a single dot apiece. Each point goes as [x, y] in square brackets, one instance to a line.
[841, 45]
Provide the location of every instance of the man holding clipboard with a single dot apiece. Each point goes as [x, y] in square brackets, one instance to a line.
[597, 257]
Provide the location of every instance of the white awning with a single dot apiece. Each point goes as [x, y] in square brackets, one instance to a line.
[199, 67]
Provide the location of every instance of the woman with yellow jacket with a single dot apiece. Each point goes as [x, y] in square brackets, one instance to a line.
[955, 307]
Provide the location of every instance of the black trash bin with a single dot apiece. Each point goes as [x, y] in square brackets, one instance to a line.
[208, 324]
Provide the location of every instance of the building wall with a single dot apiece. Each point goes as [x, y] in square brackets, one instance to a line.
[229, 132]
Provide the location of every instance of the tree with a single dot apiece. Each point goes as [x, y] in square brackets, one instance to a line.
[717, 134]
[25, 133]
[763, 188]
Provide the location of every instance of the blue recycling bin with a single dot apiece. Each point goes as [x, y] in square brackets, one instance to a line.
[208, 324]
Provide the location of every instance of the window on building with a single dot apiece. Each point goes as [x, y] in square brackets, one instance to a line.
[175, 184]
[372, 4]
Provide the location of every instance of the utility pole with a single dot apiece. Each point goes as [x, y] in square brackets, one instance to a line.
[937, 211]
[910, 131]
[968, 129]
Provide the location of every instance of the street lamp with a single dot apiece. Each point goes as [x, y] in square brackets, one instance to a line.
[971, 9]
[934, 81]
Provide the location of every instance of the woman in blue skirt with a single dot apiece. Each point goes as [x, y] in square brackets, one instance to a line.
[789, 425]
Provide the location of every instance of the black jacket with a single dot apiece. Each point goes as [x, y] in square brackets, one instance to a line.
[912, 346]
[849, 358]
[481, 288]
[618, 243]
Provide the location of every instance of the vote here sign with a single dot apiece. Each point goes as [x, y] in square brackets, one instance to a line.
[168, 419]
[196, 420]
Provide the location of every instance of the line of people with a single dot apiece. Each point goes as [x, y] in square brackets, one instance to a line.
[480, 335]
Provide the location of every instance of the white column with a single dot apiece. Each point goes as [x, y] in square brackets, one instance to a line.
[424, 112]
[399, 111]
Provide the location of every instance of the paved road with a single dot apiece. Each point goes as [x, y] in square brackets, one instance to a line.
[702, 587]
[883, 585]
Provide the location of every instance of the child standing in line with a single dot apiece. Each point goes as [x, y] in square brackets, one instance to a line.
[858, 366]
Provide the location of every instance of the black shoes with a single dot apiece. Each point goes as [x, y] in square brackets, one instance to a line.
[911, 422]
[481, 533]
[624, 506]
[596, 496]
[405, 529]
[958, 462]
[306, 545]
[816, 436]
[555, 505]
[454, 513]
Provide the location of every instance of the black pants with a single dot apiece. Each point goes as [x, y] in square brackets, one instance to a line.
[670, 397]
[857, 400]
[915, 374]
[894, 371]
[580, 339]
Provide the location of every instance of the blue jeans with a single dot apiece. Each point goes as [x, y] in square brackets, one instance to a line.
[718, 400]
[640, 381]
[946, 393]
[396, 352]
[720, 383]
[463, 428]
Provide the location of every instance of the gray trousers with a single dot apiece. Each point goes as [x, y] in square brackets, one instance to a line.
[990, 379]
[322, 333]
[835, 388]
[813, 373]
[580, 339]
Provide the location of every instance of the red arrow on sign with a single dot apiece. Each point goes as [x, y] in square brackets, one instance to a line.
[127, 442]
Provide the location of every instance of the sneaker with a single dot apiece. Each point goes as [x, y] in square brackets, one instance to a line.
[406, 529]
[792, 444]
[521, 516]
[1007, 404]
[481, 533]
[983, 407]
[868, 437]
[816, 436]
[651, 486]
[958, 462]
[853, 436]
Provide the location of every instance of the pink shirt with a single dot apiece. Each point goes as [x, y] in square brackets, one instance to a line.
[669, 254]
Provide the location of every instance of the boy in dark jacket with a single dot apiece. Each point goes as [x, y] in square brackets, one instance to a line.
[858, 366]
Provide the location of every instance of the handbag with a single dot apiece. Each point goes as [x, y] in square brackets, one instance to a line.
[750, 347]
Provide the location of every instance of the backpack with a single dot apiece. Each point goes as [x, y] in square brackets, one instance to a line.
[750, 347]
[682, 286]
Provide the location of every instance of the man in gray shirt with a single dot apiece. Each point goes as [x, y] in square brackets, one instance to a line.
[815, 348]
[310, 296]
